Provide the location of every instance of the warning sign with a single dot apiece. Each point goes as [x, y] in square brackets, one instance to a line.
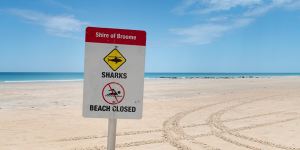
[113, 93]
[114, 73]
[114, 59]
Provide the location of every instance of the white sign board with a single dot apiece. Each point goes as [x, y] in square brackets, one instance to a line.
[114, 73]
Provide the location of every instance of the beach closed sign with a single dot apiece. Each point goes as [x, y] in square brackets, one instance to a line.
[114, 73]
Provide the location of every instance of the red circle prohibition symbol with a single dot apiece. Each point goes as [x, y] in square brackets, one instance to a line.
[113, 93]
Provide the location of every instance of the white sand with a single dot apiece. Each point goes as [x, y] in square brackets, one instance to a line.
[229, 114]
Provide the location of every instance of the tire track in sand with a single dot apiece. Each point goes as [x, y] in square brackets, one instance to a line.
[191, 138]
[169, 125]
[160, 130]
[248, 127]
[217, 125]
[234, 119]
[123, 145]
[175, 128]
[172, 131]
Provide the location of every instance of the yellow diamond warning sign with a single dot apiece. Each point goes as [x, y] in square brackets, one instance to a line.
[114, 59]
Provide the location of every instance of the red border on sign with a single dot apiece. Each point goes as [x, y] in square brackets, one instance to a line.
[92, 35]
[119, 101]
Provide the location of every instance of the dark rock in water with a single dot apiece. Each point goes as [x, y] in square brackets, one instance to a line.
[169, 77]
[163, 77]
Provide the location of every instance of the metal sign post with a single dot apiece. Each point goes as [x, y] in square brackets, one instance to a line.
[111, 136]
[114, 67]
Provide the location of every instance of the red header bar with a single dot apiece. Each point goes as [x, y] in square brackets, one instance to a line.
[115, 36]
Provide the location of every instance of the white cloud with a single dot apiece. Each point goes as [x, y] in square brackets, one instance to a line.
[224, 5]
[218, 18]
[201, 34]
[208, 6]
[59, 25]
[221, 19]
[206, 33]
[181, 9]
[293, 6]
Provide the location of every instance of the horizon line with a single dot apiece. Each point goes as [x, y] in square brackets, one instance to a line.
[144, 72]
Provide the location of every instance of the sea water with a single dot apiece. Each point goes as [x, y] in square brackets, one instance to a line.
[74, 76]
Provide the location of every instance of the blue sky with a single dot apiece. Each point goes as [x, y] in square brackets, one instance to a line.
[182, 35]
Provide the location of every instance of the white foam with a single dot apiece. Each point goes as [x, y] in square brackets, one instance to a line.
[29, 81]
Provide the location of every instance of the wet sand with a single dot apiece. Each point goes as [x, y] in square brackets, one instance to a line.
[209, 114]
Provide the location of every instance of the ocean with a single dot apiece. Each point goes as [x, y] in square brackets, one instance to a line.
[73, 76]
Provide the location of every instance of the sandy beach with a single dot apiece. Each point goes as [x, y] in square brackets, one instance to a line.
[208, 114]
